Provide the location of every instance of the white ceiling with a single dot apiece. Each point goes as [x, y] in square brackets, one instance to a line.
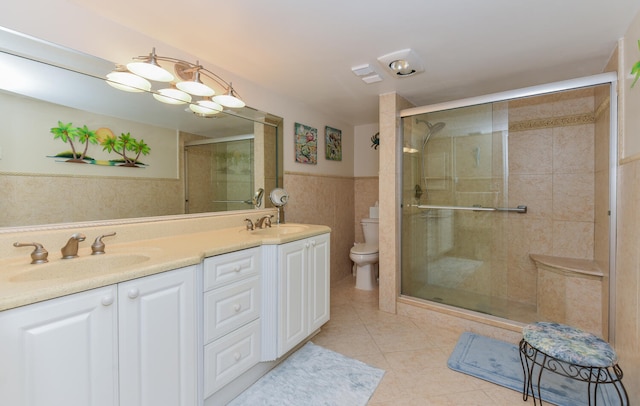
[305, 49]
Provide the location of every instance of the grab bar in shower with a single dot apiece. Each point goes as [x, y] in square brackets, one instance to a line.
[232, 201]
[518, 209]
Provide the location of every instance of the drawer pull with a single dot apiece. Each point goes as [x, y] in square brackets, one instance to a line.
[237, 268]
[107, 300]
[133, 293]
[237, 356]
[237, 307]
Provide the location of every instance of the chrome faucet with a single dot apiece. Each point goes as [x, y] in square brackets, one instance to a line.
[264, 221]
[71, 249]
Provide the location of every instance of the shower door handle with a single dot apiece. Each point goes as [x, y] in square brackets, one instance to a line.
[518, 209]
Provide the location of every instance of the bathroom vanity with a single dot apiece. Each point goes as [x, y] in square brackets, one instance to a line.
[188, 319]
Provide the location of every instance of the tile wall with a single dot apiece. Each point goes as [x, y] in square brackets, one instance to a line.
[329, 201]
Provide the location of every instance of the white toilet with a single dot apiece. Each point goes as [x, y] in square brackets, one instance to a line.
[365, 256]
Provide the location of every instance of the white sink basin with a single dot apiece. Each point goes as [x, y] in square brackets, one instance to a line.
[78, 268]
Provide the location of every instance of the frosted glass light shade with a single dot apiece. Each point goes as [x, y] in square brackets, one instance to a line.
[195, 88]
[151, 71]
[206, 107]
[172, 96]
[128, 82]
[228, 100]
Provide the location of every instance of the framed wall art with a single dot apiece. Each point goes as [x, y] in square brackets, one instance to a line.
[333, 142]
[306, 139]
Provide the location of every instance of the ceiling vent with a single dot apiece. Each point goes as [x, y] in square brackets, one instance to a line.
[367, 73]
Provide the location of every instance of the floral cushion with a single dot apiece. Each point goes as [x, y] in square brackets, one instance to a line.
[570, 344]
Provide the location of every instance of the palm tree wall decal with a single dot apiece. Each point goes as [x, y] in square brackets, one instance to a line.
[124, 143]
[68, 134]
[120, 145]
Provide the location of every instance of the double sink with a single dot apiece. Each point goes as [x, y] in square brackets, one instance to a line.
[120, 259]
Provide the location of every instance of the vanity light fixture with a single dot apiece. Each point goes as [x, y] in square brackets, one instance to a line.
[205, 107]
[128, 82]
[187, 82]
[171, 95]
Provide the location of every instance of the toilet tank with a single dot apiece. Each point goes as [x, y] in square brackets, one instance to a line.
[370, 230]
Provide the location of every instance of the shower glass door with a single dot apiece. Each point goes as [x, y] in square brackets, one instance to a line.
[219, 175]
[455, 202]
[488, 187]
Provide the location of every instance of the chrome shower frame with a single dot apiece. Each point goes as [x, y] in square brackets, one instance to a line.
[600, 79]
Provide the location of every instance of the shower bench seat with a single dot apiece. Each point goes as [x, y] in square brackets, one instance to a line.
[569, 352]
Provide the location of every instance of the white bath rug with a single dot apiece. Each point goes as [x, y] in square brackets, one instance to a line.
[314, 376]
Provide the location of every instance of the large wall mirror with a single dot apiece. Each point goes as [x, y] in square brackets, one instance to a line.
[192, 164]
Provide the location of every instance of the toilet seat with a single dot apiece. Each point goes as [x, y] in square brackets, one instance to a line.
[364, 248]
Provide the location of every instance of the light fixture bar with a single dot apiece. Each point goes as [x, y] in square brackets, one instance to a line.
[136, 76]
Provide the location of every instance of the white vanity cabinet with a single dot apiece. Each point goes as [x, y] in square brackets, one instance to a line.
[61, 352]
[232, 307]
[157, 339]
[127, 344]
[303, 290]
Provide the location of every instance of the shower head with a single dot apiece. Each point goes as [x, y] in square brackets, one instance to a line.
[433, 129]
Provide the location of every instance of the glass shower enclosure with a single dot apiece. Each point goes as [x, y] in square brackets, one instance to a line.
[485, 185]
[219, 174]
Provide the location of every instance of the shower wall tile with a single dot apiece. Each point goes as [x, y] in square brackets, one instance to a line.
[583, 304]
[534, 191]
[573, 198]
[573, 239]
[582, 103]
[551, 105]
[531, 152]
[573, 149]
[521, 283]
[552, 300]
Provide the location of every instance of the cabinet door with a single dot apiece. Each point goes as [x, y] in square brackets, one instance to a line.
[157, 322]
[293, 318]
[318, 285]
[61, 352]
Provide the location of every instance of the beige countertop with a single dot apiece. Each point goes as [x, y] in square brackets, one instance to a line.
[22, 283]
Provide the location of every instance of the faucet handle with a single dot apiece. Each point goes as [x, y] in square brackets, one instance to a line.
[249, 224]
[39, 254]
[97, 247]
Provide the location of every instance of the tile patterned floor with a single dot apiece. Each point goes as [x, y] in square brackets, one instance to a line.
[413, 354]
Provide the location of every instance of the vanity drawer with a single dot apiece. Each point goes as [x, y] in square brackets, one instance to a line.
[228, 357]
[230, 307]
[227, 268]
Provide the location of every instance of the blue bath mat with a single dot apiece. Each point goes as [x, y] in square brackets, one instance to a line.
[499, 362]
[314, 376]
